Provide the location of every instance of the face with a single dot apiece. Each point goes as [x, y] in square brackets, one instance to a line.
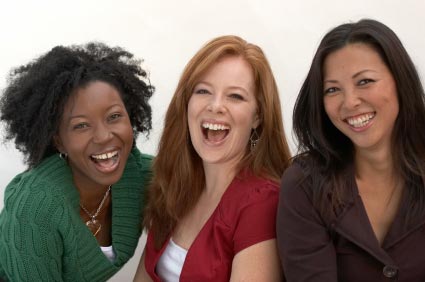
[222, 112]
[96, 133]
[360, 96]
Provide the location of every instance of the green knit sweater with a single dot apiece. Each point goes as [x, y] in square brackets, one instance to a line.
[42, 237]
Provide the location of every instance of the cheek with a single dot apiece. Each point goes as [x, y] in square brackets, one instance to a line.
[127, 131]
[192, 108]
[246, 122]
[331, 108]
[392, 100]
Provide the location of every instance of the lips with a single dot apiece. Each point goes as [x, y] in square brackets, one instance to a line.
[360, 121]
[106, 162]
[215, 132]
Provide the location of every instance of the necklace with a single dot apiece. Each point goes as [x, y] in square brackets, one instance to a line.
[93, 224]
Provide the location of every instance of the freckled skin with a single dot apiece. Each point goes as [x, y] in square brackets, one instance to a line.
[226, 95]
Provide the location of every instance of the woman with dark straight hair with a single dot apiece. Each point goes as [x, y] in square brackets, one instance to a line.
[352, 205]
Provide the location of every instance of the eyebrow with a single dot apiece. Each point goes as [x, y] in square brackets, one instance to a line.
[353, 76]
[84, 116]
[230, 87]
[361, 72]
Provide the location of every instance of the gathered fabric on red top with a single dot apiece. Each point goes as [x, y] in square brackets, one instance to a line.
[245, 215]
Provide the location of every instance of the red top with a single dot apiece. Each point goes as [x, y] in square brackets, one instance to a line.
[245, 215]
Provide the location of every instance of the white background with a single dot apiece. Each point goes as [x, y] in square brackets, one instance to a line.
[166, 34]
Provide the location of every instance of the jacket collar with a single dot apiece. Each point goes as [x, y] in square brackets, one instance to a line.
[353, 224]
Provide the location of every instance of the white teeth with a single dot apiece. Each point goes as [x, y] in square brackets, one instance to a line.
[361, 120]
[215, 126]
[105, 156]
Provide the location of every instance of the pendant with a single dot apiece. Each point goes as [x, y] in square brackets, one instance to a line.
[94, 226]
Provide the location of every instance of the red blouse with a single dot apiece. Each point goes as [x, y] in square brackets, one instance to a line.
[245, 215]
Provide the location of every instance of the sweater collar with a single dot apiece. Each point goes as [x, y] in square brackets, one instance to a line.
[126, 200]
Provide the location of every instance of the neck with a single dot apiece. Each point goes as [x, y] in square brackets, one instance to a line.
[218, 177]
[90, 196]
[375, 164]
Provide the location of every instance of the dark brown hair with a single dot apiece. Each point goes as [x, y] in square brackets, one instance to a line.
[330, 150]
[178, 171]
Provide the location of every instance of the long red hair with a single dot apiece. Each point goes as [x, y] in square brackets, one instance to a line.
[178, 179]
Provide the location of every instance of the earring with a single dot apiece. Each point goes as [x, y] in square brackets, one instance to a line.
[254, 138]
[63, 156]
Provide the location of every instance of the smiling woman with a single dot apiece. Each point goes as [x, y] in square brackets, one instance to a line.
[352, 205]
[75, 214]
[212, 204]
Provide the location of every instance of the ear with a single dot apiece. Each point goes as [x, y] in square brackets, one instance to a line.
[256, 122]
[58, 143]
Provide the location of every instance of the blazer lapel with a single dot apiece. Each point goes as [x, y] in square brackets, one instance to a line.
[353, 224]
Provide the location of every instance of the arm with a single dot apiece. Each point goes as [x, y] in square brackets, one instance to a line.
[141, 274]
[259, 262]
[30, 246]
[305, 247]
[256, 257]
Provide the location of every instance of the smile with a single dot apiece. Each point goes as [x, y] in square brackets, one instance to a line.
[106, 162]
[361, 120]
[215, 132]
[105, 155]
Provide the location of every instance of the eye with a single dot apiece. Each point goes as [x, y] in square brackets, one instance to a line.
[114, 116]
[330, 90]
[365, 81]
[202, 91]
[237, 96]
[81, 125]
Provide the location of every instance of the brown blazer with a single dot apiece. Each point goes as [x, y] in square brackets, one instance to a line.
[345, 249]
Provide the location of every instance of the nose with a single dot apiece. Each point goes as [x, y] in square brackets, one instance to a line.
[351, 99]
[102, 133]
[216, 104]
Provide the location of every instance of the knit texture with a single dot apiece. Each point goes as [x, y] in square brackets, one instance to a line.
[43, 238]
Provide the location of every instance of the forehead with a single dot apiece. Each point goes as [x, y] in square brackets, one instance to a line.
[353, 56]
[230, 69]
[96, 94]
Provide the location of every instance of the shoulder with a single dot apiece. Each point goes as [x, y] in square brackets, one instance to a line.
[140, 157]
[297, 177]
[50, 178]
[248, 210]
[248, 193]
[142, 161]
[247, 189]
[42, 188]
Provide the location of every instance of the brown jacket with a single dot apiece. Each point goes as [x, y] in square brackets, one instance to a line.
[346, 249]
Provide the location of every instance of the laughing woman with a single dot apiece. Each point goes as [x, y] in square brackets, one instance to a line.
[75, 214]
[212, 206]
[352, 206]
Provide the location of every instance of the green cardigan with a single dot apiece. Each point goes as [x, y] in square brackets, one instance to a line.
[42, 237]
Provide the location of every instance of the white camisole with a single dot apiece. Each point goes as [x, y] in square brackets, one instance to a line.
[171, 262]
[109, 253]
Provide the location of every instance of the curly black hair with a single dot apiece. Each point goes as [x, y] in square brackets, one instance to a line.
[33, 101]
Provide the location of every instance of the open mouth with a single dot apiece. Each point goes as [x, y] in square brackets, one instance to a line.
[105, 161]
[215, 132]
[361, 120]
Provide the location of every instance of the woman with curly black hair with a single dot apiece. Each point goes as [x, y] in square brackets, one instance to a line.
[75, 214]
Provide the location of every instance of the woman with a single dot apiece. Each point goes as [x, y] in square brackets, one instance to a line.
[352, 205]
[75, 214]
[212, 203]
